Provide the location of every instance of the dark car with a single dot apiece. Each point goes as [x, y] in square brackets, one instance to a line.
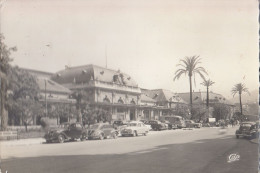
[66, 132]
[101, 131]
[169, 124]
[157, 125]
[192, 124]
[247, 129]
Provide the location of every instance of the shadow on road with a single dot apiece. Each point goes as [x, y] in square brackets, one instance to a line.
[200, 156]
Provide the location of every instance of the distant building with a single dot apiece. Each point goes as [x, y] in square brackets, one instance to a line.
[117, 92]
[200, 98]
[51, 94]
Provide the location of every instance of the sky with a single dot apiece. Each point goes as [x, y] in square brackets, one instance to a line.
[143, 38]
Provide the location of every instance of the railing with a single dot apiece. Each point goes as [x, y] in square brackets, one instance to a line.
[106, 85]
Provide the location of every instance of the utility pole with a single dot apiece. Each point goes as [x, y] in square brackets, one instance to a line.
[106, 55]
[46, 113]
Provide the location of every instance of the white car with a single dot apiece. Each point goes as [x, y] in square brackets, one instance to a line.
[135, 128]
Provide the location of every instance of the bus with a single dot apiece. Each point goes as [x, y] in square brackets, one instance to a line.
[177, 120]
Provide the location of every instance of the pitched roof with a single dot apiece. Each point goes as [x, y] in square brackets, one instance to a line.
[83, 74]
[145, 98]
[201, 97]
[196, 97]
[51, 86]
[163, 95]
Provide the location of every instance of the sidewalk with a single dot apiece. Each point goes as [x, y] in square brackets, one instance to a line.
[18, 142]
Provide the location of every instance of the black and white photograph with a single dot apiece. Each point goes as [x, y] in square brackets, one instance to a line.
[129, 86]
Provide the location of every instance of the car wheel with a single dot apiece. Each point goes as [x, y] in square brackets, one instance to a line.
[83, 137]
[237, 136]
[101, 137]
[48, 141]
[145, 134]
[61, 138]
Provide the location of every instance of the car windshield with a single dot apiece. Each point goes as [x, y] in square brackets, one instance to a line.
[132, 124]
[152, 122]
[117, 122]
[65, 125]
[246, 125]
[95, 126]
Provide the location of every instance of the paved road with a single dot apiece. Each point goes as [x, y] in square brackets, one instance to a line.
[203, 150]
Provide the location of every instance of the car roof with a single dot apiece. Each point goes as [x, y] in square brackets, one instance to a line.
[248, 122]
[135, 122]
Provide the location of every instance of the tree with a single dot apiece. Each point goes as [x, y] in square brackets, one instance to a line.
[81, 97]
[240, 89]
[220, 111]
[5, 60]
[23, 104]
[207, 83]
[198, 113]
[190, 66]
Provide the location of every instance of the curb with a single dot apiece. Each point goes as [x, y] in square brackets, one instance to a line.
[23, 142]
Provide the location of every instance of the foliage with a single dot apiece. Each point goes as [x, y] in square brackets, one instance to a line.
[238, 116]
[240, 89]
[207, 84]
[92, 115]
[221, 111]
[190, 66]
[198, 113]
[22, 103]
[5, 60]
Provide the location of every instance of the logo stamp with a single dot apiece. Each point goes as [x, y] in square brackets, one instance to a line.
[233, 157]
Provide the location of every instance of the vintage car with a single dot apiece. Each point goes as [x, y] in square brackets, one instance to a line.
[66, 132]
[135, 128]
[119, 125]
[146, 123]
[192, 124]
[248, 129]
[157, 125]
[102, 131]
[169, 124]
[176, 120]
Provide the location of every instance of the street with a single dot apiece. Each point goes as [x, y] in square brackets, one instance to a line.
[204, 150]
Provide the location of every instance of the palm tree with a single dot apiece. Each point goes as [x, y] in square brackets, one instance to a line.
[207, 83]
[239, 88]
[189, 65]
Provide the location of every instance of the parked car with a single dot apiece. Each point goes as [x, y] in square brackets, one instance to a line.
[119, 125]
[176, 120]
[146, 123]
[248, 129]
[157, 125]
[135, 128]
[192, 124]
[66, 132]
[169, 124]
[102, 131]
